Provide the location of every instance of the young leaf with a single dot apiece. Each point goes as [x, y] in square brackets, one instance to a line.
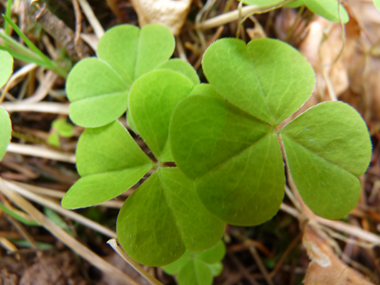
[328, 9]
[210, 256]
[326, 148]
[98, 88]
[261, 78]
[109, 162]
[196, 272]
[163, 218]
[6, 69]
[152, 100]
[233, 157]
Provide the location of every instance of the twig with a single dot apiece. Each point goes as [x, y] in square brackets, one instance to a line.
[242, 269]
[64, 237]
[260, 264]
[234, 15]
[38, 151]
[94, 22]
[78, 27]
[114, 244]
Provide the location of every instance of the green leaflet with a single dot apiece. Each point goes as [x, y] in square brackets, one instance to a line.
[179, 66]
[326, 148]
[109, 162]
[172, 220]
[152, 101]
[328, 9]
[196, 268]
[98, 87]
[232, 157]
[6, 67]
[5, 131]
[261, 78]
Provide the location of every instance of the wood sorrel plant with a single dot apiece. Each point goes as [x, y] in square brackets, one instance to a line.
[223, 137]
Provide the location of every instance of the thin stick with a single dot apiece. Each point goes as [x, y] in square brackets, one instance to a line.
[260, 264]
[78, 27]
[41, 107]
[94, 22]
[234, 15]
[58, 208]
[65, 237]
[114, 244]
[38, 151]
[43, 89]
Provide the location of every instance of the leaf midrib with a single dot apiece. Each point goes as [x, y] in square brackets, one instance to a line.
[119, 170]
[233, 156]
[314, 153]
[101, 95]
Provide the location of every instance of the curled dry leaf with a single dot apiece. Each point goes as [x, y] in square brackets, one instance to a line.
[325, 267]
[169, 13]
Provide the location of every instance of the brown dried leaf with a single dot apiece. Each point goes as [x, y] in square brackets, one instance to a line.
[325, 267]
[169, 13]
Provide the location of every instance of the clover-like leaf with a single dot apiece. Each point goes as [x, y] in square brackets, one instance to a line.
[328, 9]
[163, 218]
[110, 162]
[6, 67]
[326, 148]
[5, 131]
[232, 156]
[266, 78]
[152, 100]
[98, 87]
[196, 268]
[195, 272]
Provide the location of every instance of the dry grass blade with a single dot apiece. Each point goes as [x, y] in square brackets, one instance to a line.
[56, 207]
[38, 151]
[114, 244]
[64, 237]
[43, 107]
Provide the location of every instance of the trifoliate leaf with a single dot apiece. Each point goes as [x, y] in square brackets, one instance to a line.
[98, 87]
